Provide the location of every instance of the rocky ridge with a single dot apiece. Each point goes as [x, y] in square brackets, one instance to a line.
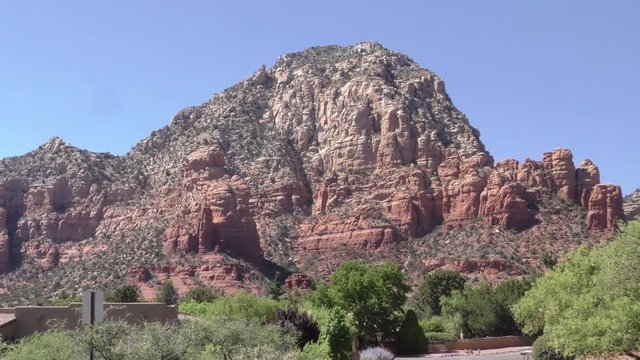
[631, 205]
[332, 153]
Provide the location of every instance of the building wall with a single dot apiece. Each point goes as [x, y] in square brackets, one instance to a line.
[30, 319]
[483, 343]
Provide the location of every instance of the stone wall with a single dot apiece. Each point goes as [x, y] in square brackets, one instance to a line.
[483, 343]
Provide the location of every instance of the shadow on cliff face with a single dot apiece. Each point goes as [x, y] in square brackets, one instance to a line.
[272, 270]
[13, 195]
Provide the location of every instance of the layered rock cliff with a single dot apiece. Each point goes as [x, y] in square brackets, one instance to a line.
[332, 153]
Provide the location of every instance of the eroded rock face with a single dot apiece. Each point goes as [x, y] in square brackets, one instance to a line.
[358, 148]
[216, 211]
[631, 205]
[605, 207]
[5, 265]
[298, 282]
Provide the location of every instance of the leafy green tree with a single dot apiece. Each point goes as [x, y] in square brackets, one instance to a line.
[337, 335]
[168, 294]
[436, 285]
[589, 305]
[542, 350]
[374, 295]
[200, 295]
[321, 297]
[410, 339]
[485, 310]
[125, 293]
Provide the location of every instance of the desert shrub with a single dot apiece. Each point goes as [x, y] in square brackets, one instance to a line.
[233, 338]
[376, 353]
[306, 328]
[154, 341]
[436, 337]
[410, 339]
[548, 260]
[218, 338]
[241, 305]
[125, 293]
[316, 351]
[168, 294]
[55, 344]
[433, 324]
[66, 299]
[276, 288]
[337, 335]
[108, 339]
[542, 350]
[200, 295]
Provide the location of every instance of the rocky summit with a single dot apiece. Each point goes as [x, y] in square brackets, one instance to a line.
[333, 153]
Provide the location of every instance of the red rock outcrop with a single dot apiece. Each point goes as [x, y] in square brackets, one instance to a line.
[605, 207]
[563, 173]
[299, 282]
[215, 273]
[216, 210]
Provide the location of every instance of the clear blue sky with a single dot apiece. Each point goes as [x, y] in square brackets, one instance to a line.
[531, 75]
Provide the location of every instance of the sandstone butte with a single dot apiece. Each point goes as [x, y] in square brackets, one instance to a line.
[331, 154]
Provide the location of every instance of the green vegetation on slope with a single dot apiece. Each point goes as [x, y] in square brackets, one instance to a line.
[590, 305]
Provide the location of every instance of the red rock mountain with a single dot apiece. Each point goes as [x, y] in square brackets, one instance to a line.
[333, 153]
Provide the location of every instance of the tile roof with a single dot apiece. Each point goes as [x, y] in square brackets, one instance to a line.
[6, 319]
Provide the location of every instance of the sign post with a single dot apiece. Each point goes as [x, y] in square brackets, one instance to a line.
[92, 310]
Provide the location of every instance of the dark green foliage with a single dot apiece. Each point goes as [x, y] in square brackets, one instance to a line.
[200, 295]
[306, 328]
[437, 284]
[321, 297]
[65, 299]
[241, 305]
[439, 337]
[410, 339]
[276, 287]
[589, 305]
[125, 293]
[485, 310]
[548, 260]
[432, 326]
[373, 294]
[542, 350]
[168, 294]
[336, 334]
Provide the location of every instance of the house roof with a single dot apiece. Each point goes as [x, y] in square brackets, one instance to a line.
[6, 319]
